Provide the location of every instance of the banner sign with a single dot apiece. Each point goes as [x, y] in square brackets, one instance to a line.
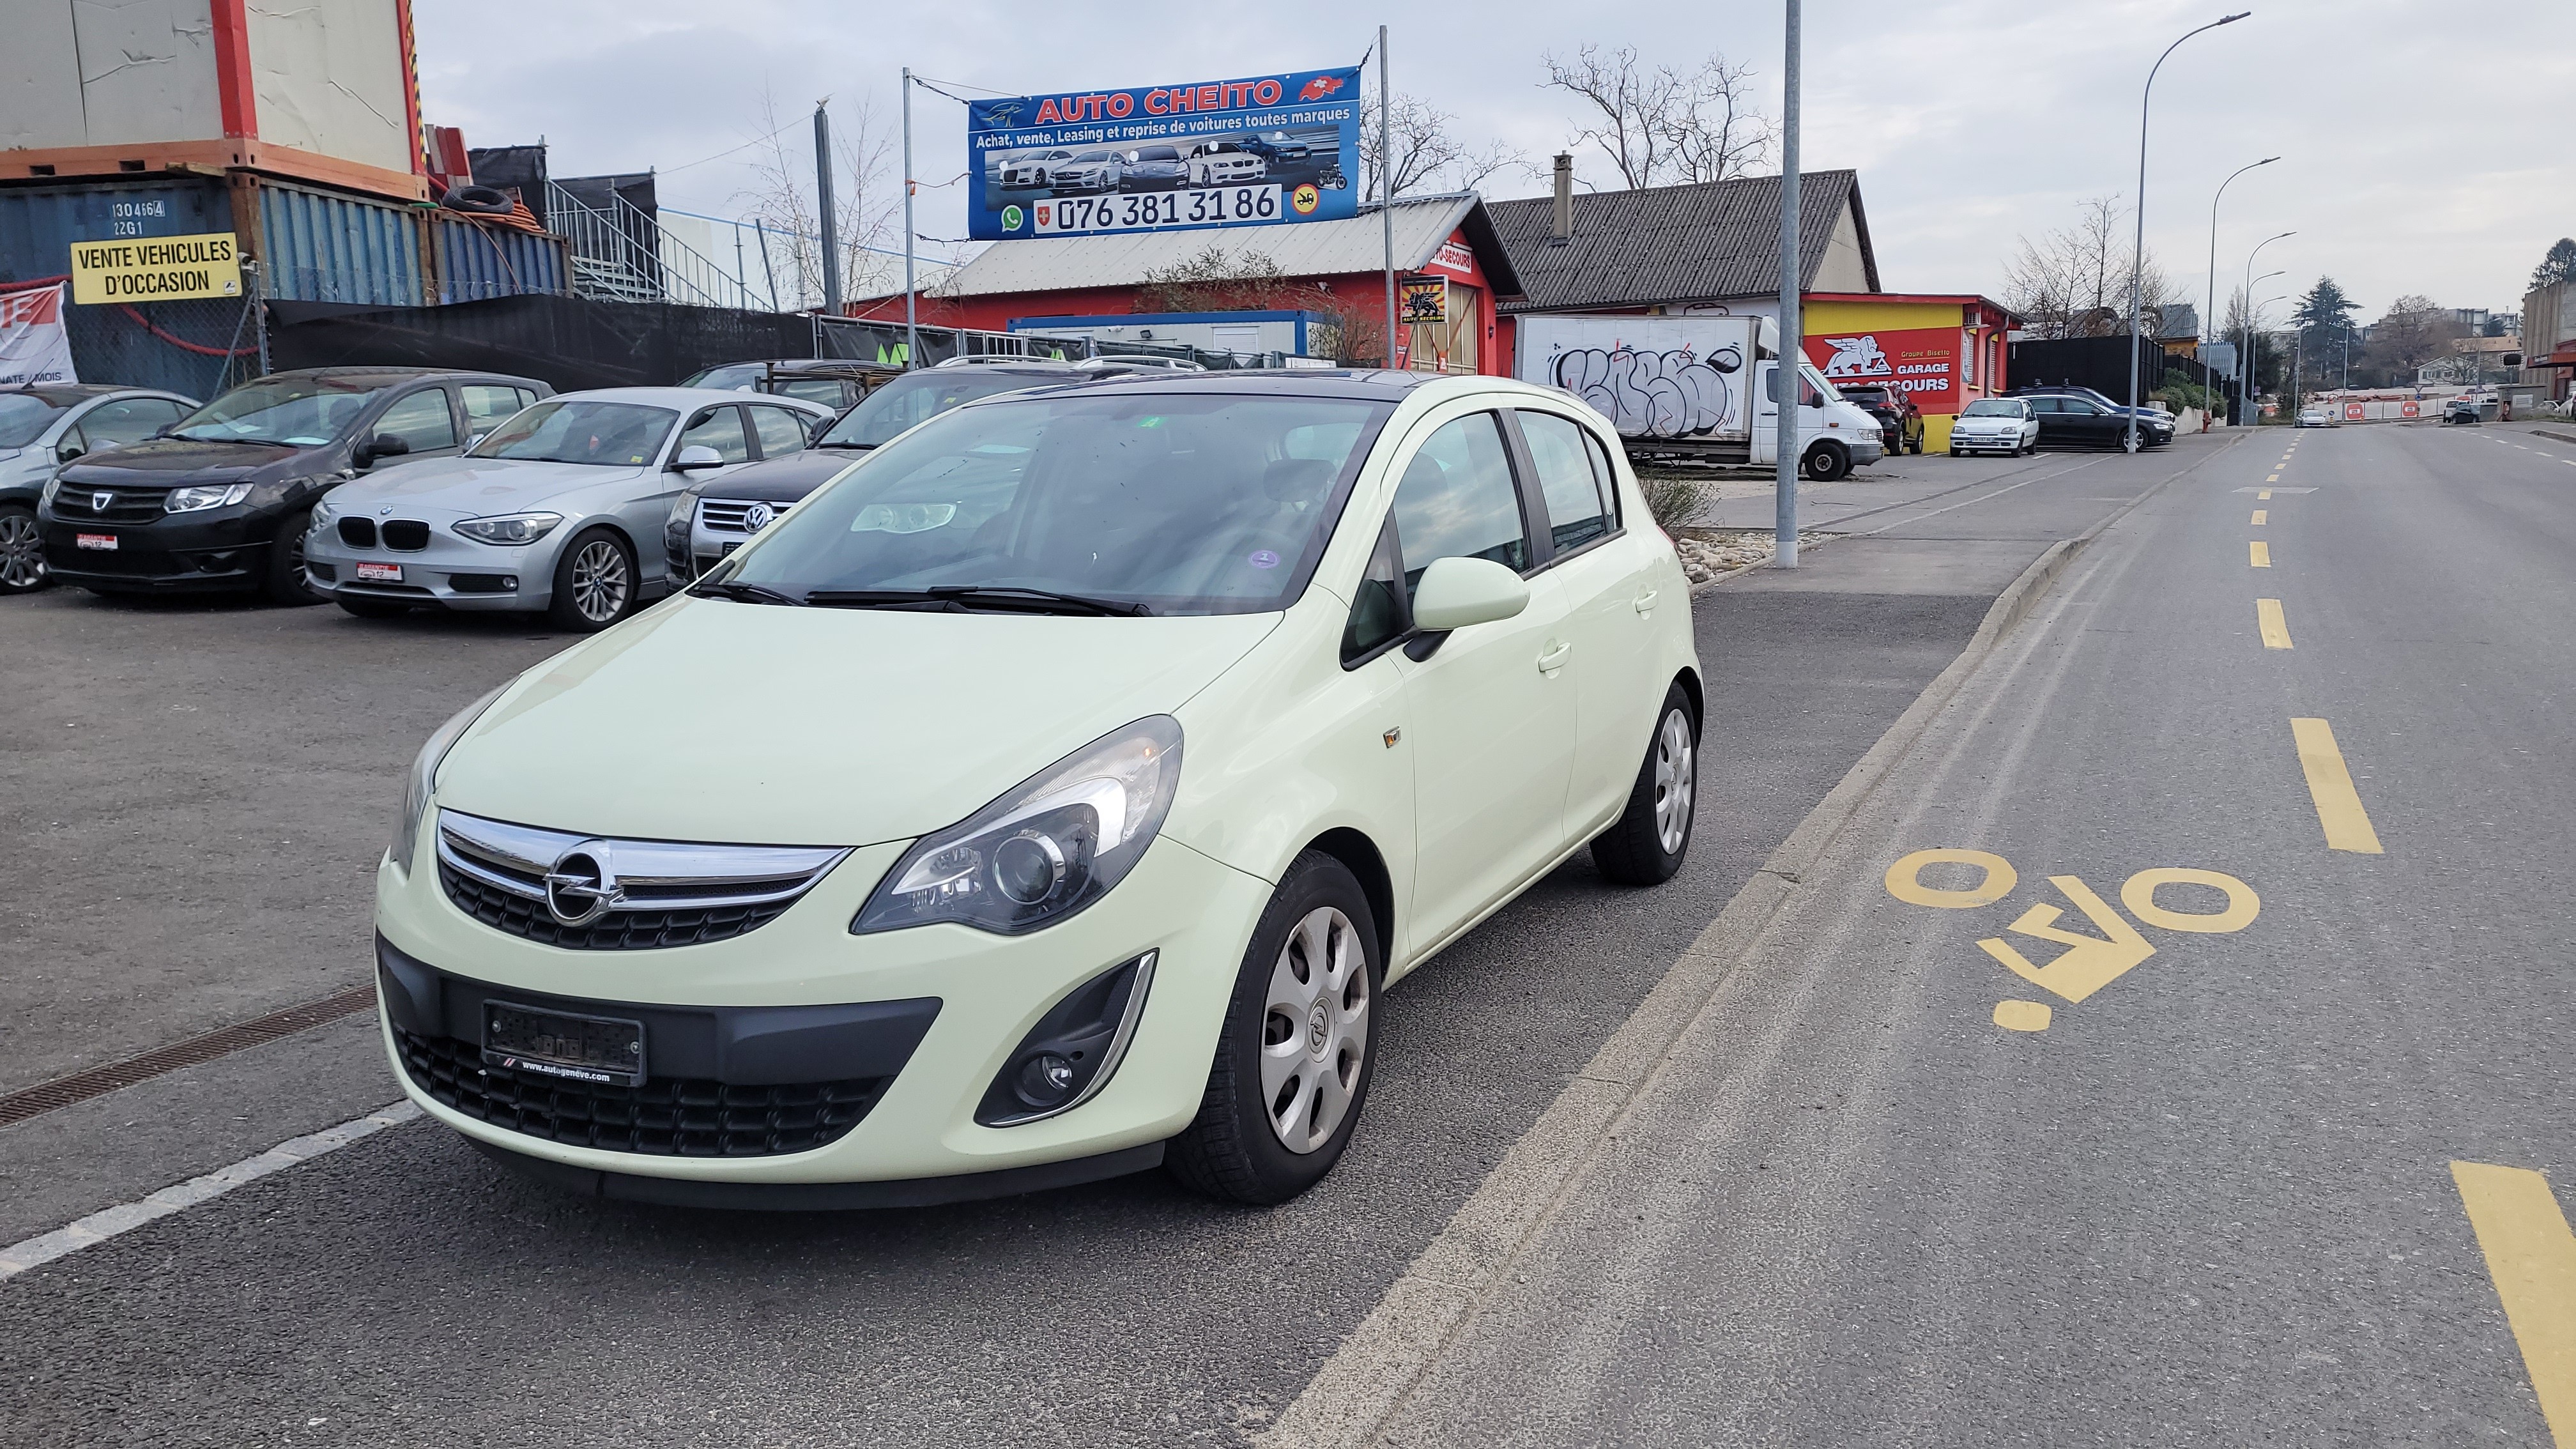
[1923, 361]
[156, 269]
[1252, 152]
[33, 348]
[1425, 300]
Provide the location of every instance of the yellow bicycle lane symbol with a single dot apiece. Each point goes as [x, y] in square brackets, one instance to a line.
[2088, 963]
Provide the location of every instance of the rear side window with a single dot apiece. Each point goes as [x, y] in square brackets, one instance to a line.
[720, 429]
[422, 420]
[781, 432]
[487, 404]
[1457, 501]
[1578, 510]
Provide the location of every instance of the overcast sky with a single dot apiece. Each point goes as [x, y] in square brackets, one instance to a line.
[2416, 139]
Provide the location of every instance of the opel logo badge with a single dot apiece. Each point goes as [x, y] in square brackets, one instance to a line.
[756, 517]
[98, 501]
[582, 888]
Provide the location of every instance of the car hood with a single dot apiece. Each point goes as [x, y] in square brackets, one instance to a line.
[167, 462]
[784, 480]
[751, 724]
[471, 487]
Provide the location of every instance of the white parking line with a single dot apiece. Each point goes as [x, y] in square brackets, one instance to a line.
[100, 1226]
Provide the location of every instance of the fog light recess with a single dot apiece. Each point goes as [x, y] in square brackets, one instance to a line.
[1074, 1049]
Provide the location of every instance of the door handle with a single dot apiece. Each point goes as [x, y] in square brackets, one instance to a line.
[1646, 601]
[1554, 659]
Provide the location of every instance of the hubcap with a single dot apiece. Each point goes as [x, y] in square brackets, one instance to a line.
[1675, 780]
[599, 581]
[22, 552]
[1314, 1033]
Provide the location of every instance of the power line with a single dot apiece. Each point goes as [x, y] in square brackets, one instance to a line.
[720, 155]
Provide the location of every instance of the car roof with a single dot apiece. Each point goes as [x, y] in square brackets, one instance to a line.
[71, 394]
[1375, 385]
[682, 397]
[826, 365]
[388, 376]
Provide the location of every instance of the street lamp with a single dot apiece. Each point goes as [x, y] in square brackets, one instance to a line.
[2138, 248]
[2209, 320]
[2246, 373]
[2252, 332]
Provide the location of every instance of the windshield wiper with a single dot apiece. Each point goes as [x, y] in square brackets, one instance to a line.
[830, 443]
[741, 593]
[1005, 597]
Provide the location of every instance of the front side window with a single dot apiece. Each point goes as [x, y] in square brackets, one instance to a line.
[421, 420]
[298, 412]
[720, 429]
[1578, 506]
[1377, 613]
[605, 433]
[1456, 500]
[1201, 503]
[781, 432]
[24, 418]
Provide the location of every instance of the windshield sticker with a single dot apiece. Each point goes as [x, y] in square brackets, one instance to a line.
[1263, 558]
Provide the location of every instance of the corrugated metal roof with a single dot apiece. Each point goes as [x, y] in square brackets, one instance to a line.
[1673, 243]
[1302, 249]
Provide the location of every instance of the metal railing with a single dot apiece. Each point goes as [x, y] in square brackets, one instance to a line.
[621, 254]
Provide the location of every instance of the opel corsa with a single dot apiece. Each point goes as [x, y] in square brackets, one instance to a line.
[1049, 796]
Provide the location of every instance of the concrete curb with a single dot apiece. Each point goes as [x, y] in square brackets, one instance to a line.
[1369, 1376]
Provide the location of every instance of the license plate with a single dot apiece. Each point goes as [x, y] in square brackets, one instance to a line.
[380, 573]
[597, 1049]
[96, 540]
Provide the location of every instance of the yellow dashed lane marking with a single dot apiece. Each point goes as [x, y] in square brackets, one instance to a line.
[2275, 627]
[2262, 554]
[2260, 515]
[2532, 1258]
[2347, 825]
[2263, 493]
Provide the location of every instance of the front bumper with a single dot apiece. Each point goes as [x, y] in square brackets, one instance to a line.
[225, 551]
[450, 572]
[1865, 448]
[1195, 913]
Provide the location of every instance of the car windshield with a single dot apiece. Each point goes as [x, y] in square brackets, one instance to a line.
[1097, 156]
[1991, 407]
[731, 377]
[1864, 395]
[612, 434]
[301, 412]
[921, 396]
[24, 418]
[1157, 153]
[1199, 503]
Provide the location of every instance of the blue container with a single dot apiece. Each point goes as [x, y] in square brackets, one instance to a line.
[39, 224]
[476, 262]
[319, 246]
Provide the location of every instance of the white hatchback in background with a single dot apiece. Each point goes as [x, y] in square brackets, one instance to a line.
[1995, 425]
[558, 510]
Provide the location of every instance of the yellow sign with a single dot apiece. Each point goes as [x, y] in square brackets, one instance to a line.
[157, 268]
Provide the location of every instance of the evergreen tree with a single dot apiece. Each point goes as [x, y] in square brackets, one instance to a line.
[2323, 318]
[2558, 266]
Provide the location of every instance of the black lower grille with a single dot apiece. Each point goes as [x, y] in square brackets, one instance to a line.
[665, 1117]
[327, 573]
[406, 533]
[617, 931]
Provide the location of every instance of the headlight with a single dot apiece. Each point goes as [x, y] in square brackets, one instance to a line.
[211, 495]
[424, 774]
[509, 528]
[53, 486]
[1044, 850]
[683, 509]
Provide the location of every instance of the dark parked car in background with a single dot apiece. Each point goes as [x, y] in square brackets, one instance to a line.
[2079, 417]
[837, 383]
[47, 425]
[1900, 419]
[1153, 168]
[219, 504]
[2460, 410]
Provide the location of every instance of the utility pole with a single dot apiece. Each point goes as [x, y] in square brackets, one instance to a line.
[911, 313]
[1386, 190]
[2209, 323]
[1786, 384]
[2138, 252]
[823, 200]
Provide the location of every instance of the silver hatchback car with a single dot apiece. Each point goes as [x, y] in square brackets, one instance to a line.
[550, 513]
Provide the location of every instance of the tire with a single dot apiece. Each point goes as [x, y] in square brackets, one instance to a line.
[595, 583]
[1826, 463]
[1646, 844]
[22, 552]
[284, 581]
[1955, 453]
[1292, 1038]
[372, 608]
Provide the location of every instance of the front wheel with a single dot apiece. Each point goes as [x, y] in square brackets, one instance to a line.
[1826, 464]
[285, 582]
[1293, 1058]
[595, 583]
[22, 552]
[1645, 845]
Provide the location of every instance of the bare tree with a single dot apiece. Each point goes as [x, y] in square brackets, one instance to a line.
[1666, 126]
[867, 195]
[2074, 280]
[2414, 333]
[1428, 153]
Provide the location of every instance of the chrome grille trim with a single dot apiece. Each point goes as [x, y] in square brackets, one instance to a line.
[657, 875]
[724, 515]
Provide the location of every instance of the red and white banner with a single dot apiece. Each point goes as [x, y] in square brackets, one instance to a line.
[1923, 361]
[32, 345]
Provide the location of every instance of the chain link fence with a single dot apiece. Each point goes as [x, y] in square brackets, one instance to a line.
[197, 348]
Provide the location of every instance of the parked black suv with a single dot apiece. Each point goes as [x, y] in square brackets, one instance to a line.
[2079, 417]
[219, 502]
[1900, 419]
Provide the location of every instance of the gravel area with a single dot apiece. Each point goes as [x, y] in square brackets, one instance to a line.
[1708, 552]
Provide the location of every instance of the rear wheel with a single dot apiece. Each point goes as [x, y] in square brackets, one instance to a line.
[22, 552]
[595, 584]
[1645, 845]
[1293, 1059]
[284, 582]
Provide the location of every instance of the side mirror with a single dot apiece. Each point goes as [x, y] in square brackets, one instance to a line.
[693, 458]
[382, 445]
[1456, 592]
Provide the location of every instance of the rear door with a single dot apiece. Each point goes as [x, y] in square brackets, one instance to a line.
[779, 431]
[721, 427]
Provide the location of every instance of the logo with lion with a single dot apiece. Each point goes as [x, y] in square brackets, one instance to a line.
[1856, 357]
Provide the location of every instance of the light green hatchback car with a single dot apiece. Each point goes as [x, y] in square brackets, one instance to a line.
[1046, 797]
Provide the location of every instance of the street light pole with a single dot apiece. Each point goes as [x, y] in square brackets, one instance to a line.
[911, 293]
[2138, 250]
[2244, 390]
[1786, 384]
[2253, 334]
[2209, 321]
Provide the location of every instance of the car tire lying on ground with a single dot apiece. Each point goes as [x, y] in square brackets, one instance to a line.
[1296, 1052]
[1645, 845]
[22, 552]
[285, 582]
[595, 583]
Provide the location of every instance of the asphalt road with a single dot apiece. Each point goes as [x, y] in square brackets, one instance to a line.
[404, 1291]
[2212, 1201]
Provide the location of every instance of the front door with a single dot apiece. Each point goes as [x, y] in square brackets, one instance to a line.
[1491, 707]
